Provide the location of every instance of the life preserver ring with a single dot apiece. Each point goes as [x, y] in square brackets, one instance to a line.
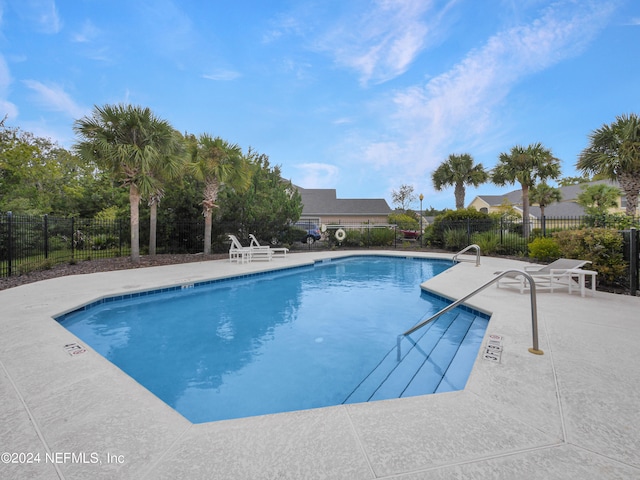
[340, 235]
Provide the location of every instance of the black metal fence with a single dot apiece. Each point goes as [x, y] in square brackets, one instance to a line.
[30, 243]
[504, 236]
[501, 236]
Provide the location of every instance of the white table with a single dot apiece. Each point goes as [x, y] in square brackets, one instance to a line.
[580, 275]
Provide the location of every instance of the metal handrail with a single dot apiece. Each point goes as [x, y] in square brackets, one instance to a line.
[534, 310]
[474, 246]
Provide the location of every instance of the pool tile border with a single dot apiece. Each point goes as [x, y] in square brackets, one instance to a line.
[156, 291]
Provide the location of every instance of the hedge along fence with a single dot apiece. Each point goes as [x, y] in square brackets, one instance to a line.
[610, 242]
[361, 235]
[503, 236]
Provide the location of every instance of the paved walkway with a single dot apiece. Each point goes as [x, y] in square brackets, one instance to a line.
[572, 413]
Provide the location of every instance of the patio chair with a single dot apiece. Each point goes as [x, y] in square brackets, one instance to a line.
[555, 275]
[254, 253]
[237, 252]
[277, 251]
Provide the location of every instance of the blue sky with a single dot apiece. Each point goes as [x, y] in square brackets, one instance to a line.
[360, 96]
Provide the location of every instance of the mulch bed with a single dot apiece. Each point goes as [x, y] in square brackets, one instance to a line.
[103, 265]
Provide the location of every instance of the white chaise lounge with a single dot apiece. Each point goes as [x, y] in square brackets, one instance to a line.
[556, 275]
[237, 252]
[247, 253]
[276, 251]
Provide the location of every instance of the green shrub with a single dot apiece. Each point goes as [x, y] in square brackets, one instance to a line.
[489, 242]
[455, 239]
[544, 248]
[104, 242]
[353, 238]
[460, 220]
[512, 244]
[404, 221]
[602, 246]
[382, 237]
[428, 237]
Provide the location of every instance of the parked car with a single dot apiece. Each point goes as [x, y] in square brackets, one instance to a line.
[313, 233]
[411, 234]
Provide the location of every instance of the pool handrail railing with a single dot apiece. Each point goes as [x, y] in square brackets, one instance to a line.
[534, 311]
[475, 247]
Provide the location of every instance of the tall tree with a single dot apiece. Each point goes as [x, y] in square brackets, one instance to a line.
[614, 151]
[526, 166]
[599, 198]
[403, 197]
[459, 171]
[543, 195]
[270, 205]
[169, 167]
[39, 177]
[217, 163]
[130, 142]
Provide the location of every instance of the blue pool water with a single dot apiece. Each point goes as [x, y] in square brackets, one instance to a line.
[289, 340]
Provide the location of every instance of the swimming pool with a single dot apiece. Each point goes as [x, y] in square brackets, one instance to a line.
[288, 340]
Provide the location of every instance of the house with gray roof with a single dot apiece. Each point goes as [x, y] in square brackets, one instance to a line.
[322, 206]
[567, 207]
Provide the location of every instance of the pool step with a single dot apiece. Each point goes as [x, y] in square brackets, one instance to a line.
[451, 340]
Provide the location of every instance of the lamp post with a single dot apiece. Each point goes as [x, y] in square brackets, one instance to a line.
[421, 231]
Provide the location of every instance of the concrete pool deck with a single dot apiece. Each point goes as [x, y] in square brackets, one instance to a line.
[573, 412]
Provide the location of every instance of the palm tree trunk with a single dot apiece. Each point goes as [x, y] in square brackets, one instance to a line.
[211, 188]
[631, 185]
[208, 214]
[153, 222]
[459, 194]
[525, 211]
[134, 204]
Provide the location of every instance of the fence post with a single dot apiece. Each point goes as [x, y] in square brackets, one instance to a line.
[633, 261]
[544, 226]
[119, 236]
[73, 246]
[10, 243]
[45, 226]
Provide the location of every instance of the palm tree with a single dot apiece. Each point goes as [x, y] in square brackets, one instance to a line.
[130, 143]
[598, 199]
[526, 166]
[614, 151]
[168, 168]
[216, 162]
[458, 170]
[543, 195]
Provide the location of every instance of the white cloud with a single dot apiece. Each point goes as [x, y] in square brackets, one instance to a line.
[317, 175]
[342, 121]
[55, 98]
[282, 25]
[42, 13]
[88, 33]
[222, 75]
[6, 107]
[459, 107]
[382, 44]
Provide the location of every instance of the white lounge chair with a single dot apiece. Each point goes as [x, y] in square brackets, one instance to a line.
[254, 253]
[237, 252]
[556, 275]
[277, 251]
